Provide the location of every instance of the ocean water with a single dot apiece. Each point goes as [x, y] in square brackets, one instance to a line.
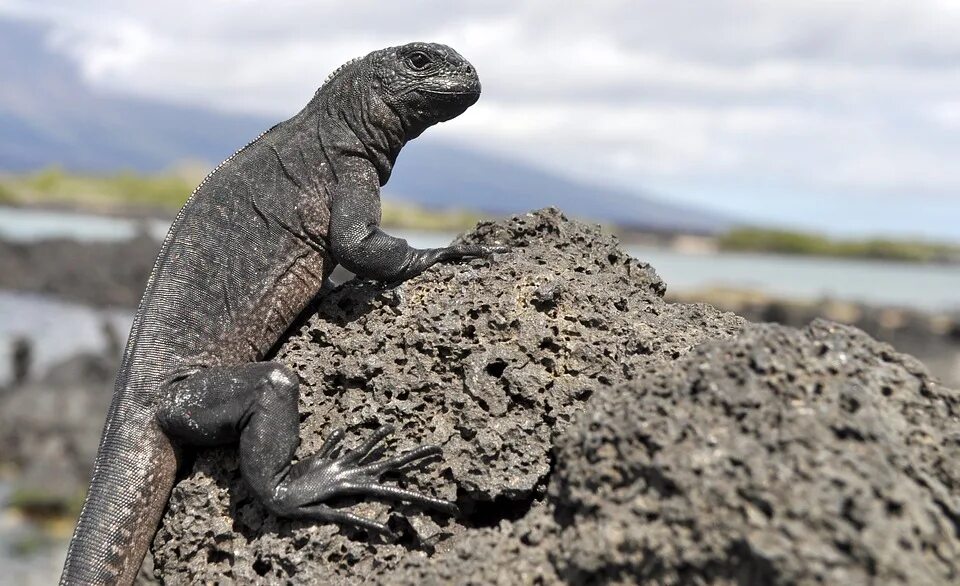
[56, 329]
[909, 285]
[28, 224]
[928, 287]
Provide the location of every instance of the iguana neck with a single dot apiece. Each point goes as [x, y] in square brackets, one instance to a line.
[354, 120]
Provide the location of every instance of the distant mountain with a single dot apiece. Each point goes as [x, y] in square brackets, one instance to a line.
[444, 176]
[48, 115]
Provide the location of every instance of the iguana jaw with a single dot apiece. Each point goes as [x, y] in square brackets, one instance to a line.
[449, 105]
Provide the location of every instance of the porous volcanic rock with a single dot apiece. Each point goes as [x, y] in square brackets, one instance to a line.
[593, 433]
[782, 456]
[490, 360]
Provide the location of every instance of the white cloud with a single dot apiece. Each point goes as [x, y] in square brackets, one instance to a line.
[856, 98]
[945, 113]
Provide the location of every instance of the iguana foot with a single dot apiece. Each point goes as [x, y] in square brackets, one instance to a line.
[258, 402]
[398, 296]
[327, 474]
[395, 291]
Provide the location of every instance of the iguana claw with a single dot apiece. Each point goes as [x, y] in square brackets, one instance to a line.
[328, 474]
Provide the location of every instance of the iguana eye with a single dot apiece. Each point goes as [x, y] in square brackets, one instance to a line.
[419, 60]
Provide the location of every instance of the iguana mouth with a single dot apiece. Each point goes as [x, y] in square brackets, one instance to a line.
[450, 96]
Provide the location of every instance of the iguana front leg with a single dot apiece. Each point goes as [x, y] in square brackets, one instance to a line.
[257, 404]
[358, 243]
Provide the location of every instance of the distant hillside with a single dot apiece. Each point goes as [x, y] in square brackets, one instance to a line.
[443, 176]
[48, 115]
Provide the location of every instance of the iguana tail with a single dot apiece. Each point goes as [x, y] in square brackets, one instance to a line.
[132, 478]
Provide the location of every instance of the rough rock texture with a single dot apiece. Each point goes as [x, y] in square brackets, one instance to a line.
[490, 360]
[780, 457]
[586, 442]
[931, 336]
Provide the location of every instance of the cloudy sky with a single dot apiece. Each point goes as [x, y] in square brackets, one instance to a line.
[838, 115]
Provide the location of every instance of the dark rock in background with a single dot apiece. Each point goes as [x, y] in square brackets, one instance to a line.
[50, 428]
[100, 274]
[931, 336]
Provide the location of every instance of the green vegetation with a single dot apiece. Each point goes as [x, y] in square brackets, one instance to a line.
[96, 192]
[127, 191]
[166, 192]
[43, 505]
[411, 216]
[7, 195]
[800, 243]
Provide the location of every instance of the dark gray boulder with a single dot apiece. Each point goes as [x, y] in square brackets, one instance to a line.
[49, 431]
[782, 456]
[592, 432]
[96, 273]
[491, 360]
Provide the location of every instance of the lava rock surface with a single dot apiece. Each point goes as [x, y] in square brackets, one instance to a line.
[593, 433]
[782, 456]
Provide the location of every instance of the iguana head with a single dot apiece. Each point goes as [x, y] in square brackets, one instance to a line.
[424, 83]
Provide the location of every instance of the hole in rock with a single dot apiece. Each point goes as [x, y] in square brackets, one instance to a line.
[261, 567]
[496, 368]
[480, 513]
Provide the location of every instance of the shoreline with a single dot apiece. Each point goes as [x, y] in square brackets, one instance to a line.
[158, 196]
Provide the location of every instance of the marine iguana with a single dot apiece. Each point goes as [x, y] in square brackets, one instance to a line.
[246, 254]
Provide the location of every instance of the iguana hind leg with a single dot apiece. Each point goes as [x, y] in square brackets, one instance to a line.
[256, 404]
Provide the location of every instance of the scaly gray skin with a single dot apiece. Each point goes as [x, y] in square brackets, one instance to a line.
[246, 254]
